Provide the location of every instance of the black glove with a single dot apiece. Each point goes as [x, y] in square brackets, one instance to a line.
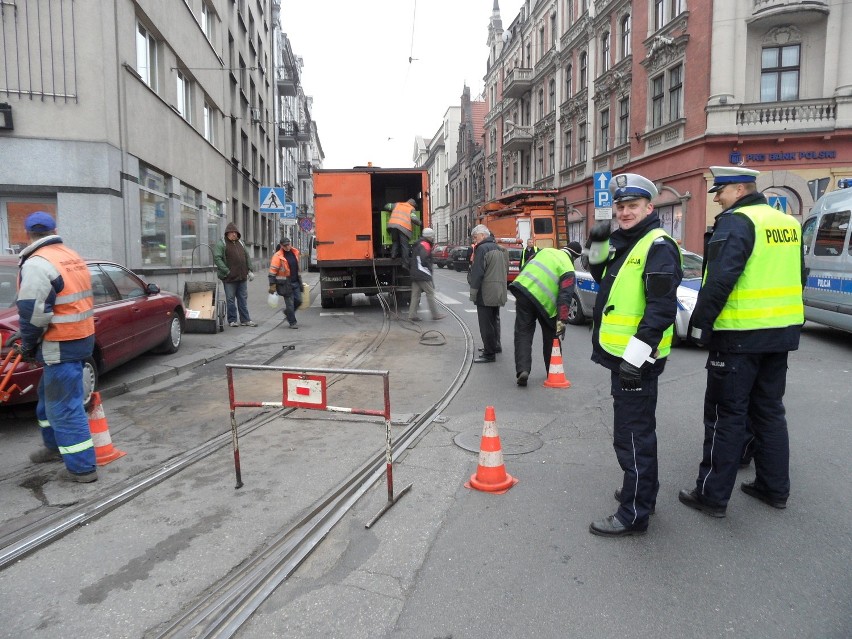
[630, 376]
[600, 232]
[27, 354]
[14, 337]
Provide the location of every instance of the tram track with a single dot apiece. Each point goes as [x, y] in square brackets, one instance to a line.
[21, 541]
[230, 604]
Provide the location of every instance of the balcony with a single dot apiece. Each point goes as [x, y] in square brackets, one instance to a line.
[778, 117]
[287, 81]
[518, 138]
[303, 132]
[778, 10]
[304, 170]
[518, 82]
[287, 132]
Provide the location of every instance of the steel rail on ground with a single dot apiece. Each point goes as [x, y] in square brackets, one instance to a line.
[230, 604]
[22, 541]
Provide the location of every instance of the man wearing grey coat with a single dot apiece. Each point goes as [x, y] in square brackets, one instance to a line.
[488, 289]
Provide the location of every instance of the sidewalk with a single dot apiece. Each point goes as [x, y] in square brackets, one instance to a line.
[197, 349]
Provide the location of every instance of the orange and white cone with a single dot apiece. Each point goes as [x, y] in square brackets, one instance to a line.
[556, 374]
[98, 427]
[491, 475]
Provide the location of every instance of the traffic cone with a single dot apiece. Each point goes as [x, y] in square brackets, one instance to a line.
[491, 475]
[556, 375]
[98, 427]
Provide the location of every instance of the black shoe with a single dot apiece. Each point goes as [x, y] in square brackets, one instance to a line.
[612, 527]
[752, 490]
[692, 500]
[498, 350]
[617, 495]
[523, 376]
[484, 359]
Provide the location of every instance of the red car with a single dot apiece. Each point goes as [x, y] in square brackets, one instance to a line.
[441, 255]
[132, 317]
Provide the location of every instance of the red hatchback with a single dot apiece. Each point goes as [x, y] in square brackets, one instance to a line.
[441, 255]
[132, 317]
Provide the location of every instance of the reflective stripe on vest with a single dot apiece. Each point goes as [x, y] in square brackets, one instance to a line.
[627, 299]
[278, 266]
[540, 277]
[73, 309]
[401, 215]
[77, 448]
[768, 293]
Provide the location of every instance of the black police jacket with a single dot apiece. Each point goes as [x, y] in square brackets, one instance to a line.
[728, 247]
[662, 275]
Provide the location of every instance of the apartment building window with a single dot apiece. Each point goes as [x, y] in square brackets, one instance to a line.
[569, 72]
[604, 144]
[146, 56]
[584, 5]
[675, 92]
[551, 157]
[605, 52]
[626, 47]
[184, 97]
[540, 162]
[566, 149]
[209, 123]
[675, 8]
[657, 101]
[528, 55]
[551, 96]
[659, 14]
[623, 120]
[581, 142]
[569, 11]
[779, 73]
[541, 103]
[154, 214]
[665, 11]
[584, 69]
[207, 20]
[540, 42]
[554, 36]
[245, 151]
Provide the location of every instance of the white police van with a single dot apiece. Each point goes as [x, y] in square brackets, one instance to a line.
[828, 259]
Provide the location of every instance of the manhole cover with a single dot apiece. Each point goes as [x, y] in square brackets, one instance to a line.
[512, 442]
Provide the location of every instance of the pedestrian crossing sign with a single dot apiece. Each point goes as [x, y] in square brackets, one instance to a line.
[305, 391]
[273, 199]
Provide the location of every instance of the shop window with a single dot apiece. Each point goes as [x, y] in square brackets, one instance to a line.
[154, 212]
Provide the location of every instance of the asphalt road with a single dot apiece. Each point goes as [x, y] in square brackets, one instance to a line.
[446, 561]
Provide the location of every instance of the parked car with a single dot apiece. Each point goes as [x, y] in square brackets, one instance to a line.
[586, 291]
[460, 258]
[132, 317]
[515, 255]
[441, 255]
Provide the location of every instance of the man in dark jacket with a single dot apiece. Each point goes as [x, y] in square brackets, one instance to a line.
[421, 276]
[543, 292]
[233, 266]
[487, 280]
[749, 313]
[638, 268]
[529, 252]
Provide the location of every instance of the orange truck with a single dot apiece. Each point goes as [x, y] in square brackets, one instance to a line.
[527, 214]
[353, 245]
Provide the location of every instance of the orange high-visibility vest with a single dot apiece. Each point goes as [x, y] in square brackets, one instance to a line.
[73, 308]
[400, 217]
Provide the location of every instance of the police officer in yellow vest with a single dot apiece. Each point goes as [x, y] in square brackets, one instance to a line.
[638, 268]
[749, 313]
[543, 292]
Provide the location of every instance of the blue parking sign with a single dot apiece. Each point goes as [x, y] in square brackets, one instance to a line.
[603, 199]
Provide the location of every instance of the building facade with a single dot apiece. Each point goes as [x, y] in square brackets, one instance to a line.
[143, 126]
[437, 155]
[667, 88]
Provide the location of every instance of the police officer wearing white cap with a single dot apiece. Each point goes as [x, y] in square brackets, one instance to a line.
[749, 313]
[638, 267]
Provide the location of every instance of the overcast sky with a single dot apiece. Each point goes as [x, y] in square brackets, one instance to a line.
[370, 102]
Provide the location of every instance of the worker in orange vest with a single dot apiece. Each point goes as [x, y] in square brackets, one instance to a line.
[400, 223]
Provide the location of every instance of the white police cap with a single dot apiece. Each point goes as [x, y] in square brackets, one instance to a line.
[631, 186]
[725, 175]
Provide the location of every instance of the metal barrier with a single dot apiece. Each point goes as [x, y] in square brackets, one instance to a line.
[306, 388]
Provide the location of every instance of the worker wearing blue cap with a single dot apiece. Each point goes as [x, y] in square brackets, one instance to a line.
[57, 329]
[638, 267]
[749, 313]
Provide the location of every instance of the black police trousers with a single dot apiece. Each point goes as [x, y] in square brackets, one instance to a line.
[634, 438]
[526, 316]
[744, 388]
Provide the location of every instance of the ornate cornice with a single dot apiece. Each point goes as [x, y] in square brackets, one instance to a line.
[663, 51]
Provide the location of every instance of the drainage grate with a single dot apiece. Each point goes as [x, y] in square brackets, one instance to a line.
[512, 442]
